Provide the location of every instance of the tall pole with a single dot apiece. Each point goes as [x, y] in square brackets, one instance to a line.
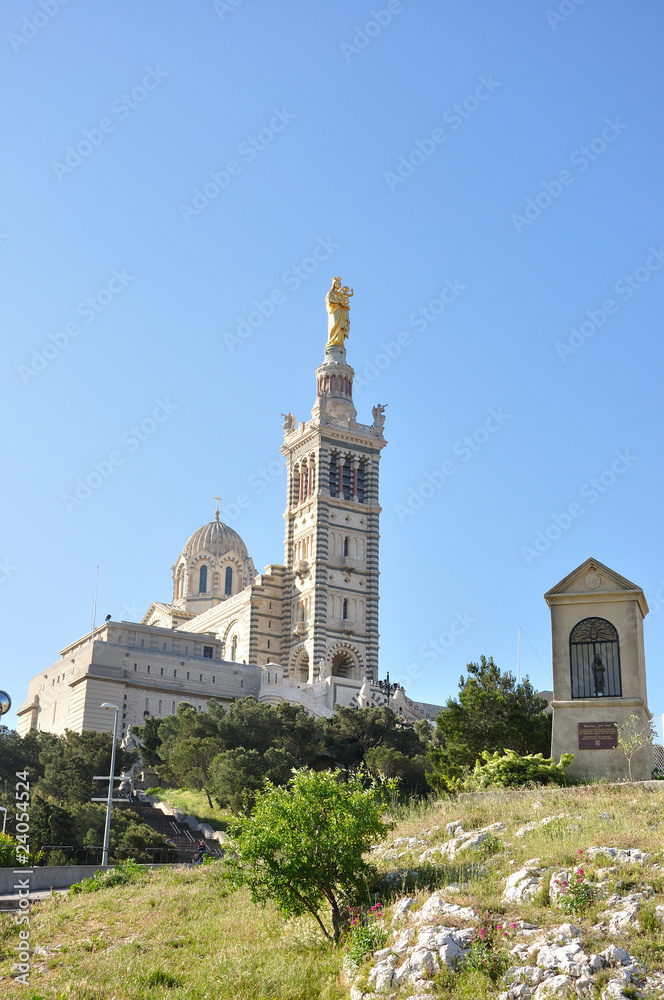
[518, 658]
[107, 828]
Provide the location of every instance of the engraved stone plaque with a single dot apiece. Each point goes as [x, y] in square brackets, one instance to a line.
[598, 735]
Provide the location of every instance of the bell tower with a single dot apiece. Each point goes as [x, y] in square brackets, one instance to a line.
[330, 624]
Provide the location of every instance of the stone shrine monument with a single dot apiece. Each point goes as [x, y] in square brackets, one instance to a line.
[599, 670]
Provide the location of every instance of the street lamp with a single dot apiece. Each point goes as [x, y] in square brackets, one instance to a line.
[107, 828]
[386, 687]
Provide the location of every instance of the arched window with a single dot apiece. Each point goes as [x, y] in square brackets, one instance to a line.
[233, 648]
[346, 542]
[228, 582]
[594, 656]
[344, 608]
[361, 477]
[202, 580]
[347, 480]
[334, 476]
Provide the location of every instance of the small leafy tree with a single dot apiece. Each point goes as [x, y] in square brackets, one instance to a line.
[632, 737]
[303, 844]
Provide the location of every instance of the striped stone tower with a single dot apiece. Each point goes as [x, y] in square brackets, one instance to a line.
[330, 621]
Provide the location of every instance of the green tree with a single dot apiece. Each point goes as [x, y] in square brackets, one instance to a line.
[303, 845]
[54, 825]
[410, 772]
[21, 753]
[248, 723]
[237, 775]
[186, 728]
[71, 761]
[190, 762]
[150, 739]
[492, 713]
[351, 733]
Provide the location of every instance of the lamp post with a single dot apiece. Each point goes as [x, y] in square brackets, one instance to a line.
[107, 828]
[386, 687]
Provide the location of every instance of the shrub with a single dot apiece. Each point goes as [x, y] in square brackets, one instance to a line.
[8, 854]
[123, 874]
[7, 851]
[575, 894]
[366, 934]
[510, 770]
[485, 957]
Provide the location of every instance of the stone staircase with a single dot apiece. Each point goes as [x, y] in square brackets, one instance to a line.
[185, 831]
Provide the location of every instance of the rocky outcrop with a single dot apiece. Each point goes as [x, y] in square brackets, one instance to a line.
[548, 963]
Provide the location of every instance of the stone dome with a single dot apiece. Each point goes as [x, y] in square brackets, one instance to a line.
[216, 538]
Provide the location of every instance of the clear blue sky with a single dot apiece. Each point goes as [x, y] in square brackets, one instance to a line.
[481, 106]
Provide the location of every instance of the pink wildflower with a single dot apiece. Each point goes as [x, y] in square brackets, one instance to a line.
[499, 927]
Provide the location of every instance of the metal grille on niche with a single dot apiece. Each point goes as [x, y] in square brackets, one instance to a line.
[595, 659]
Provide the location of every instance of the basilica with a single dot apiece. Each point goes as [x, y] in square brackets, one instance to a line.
[305, 632]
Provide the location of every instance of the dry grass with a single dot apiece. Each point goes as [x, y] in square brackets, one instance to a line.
[175, 936]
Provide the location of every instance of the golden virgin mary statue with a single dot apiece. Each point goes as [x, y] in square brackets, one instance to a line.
[338, 308]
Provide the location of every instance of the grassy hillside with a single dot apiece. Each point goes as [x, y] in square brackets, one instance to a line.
[178, 935]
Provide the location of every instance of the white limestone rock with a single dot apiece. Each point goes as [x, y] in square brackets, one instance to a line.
[522, 885]
[614, 990]
[615, 956]
[623, 855]
[381, 978]
[454, 829]
[401, 909]
[536, 824]
[424, 961]
[407, 842]
[556, 986]
[525, 973]
[493, 828]
[462, 841]
[403, 941]
[437, 906]
[382, 955]
[566, 932]
[569, 959]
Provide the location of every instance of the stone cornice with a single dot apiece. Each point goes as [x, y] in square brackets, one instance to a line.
[600, 597]
[362, 435]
